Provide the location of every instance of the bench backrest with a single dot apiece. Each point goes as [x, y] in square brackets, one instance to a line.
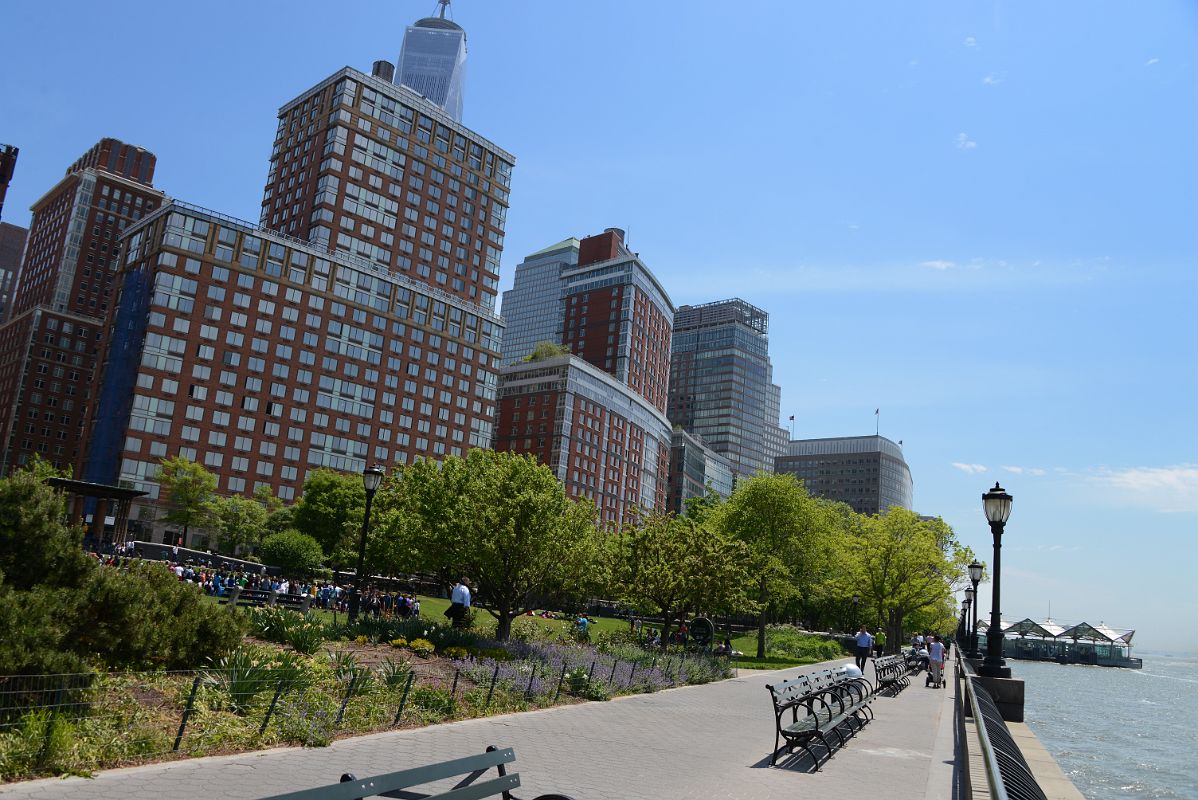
[394, 783]
[787, 692]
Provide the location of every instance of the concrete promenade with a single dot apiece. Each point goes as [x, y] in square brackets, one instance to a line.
[710, 741]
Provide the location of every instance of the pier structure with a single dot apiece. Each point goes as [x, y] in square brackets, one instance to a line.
[1082, 643]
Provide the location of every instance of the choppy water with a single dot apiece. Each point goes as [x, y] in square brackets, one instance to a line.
[1118, 733]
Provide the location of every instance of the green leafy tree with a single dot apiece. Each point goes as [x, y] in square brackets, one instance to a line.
[671, 566]
[500, 519]
[240, 522]
[420, 518]
[909, 566]
[525, 540]
[783, 532]
[188, 491]
[330, 506]
[297, 554]
[35, 547]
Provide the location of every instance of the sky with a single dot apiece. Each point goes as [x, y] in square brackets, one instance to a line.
[977, 218]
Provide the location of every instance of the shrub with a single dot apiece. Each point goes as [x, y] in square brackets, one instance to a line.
[399, 642]
[786, 640]
[454, 652]
[393, 674]
[239, 677]
[422, 647]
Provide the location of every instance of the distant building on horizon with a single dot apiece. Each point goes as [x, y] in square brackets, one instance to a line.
[432, 62]
[868, 473]
[721, 383]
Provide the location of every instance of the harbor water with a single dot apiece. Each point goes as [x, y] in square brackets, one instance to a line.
[1118, 733]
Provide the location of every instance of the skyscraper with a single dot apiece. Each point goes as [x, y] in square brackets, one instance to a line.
[721, 383]
[867, 472]
[533, 307]
[433, 61]
[62, 300]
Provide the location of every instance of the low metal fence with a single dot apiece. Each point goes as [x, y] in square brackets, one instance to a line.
[53, 724]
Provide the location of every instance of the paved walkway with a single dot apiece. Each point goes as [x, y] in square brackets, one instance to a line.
[706, 742]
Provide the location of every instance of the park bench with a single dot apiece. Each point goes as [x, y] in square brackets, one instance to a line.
[891, 672]
[265, 597]
[816, 707]
[400, 784]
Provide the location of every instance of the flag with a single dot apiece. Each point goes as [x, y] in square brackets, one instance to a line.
[792, 417]
[877, 411]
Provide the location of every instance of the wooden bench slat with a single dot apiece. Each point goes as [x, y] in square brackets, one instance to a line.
[393, 782]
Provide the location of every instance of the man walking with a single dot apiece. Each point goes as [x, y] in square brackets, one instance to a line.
[865, 645]
[460, 598]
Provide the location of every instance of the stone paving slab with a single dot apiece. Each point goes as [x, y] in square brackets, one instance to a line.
[710, 741]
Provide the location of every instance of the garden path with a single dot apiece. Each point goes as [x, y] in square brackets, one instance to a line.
[709, 741]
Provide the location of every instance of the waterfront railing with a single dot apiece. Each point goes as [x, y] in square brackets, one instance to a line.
[1007, 771]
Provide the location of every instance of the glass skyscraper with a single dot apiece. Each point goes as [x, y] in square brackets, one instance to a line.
[433, 61]
[721, 383]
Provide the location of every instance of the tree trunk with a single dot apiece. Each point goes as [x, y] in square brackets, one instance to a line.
[503, 624]
[761, 623]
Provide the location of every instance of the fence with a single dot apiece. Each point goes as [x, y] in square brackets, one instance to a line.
[72, 723]
[1007, 771]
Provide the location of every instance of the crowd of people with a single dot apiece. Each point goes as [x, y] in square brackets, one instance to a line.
[220, 580]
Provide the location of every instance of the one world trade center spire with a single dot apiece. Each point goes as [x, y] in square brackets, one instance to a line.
[433, 60]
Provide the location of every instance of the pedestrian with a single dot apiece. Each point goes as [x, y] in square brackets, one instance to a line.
[865, 646]
[459, 610]
[935, 664]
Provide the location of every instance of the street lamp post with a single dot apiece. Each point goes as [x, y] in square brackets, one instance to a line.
[963, 625]
[856, 605]
[371, 478]
[997, 504]
[975, 577]
[966, 647]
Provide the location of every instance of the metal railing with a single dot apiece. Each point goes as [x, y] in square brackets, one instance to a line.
[1007, 771]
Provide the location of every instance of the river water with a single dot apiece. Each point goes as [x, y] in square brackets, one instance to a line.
[1118, 733]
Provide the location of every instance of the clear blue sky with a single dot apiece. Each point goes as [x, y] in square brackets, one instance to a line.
[978, 217]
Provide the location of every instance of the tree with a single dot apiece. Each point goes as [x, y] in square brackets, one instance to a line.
[781, 529]
[35, 547]
[297, 554]
[672, 566]
[525, 539]
[546, 350]
[188, 490]
[908, 565]
[331, 502]
[500, 519]
[241, 522]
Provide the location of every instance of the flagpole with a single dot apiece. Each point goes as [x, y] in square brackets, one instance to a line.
[877, 422]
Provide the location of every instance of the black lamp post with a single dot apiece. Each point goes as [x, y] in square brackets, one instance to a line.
[966, 646]
[997, 504]
[963, 625]
[371, 478]
[856, 605]
[975, 576]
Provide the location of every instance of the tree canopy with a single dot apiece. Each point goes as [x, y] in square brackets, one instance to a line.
[188, 491]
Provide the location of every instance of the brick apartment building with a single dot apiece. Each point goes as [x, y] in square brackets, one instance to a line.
[602, 425]
[64, 293]
[354, 325]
